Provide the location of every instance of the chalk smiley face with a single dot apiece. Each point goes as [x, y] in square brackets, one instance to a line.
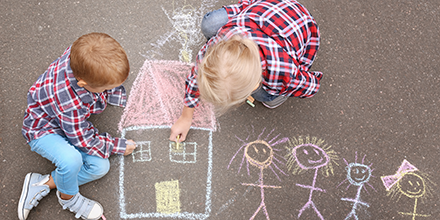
[358, 174]
[310, 156]
[412, 185]
[259, 153]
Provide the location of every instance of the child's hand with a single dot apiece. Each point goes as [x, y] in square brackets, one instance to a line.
[131, 145]
[181, 127]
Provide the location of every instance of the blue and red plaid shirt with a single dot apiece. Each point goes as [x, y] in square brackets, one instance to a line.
[57, 105]
[288, 39]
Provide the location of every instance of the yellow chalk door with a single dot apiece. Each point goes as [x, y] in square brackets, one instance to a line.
[167, 197]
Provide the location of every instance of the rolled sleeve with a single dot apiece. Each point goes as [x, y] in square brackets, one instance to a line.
[83, 135]
[117, 96]
[191, 90]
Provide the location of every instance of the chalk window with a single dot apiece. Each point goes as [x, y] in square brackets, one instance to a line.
[142, 152]
[185, 153]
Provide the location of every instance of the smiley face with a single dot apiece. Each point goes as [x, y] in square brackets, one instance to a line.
[358, 174]
[412, 185]
[259, 153]
[310, 156]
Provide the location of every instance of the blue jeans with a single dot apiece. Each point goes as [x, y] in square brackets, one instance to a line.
[261, 95]
[213, 21]
[73, 167]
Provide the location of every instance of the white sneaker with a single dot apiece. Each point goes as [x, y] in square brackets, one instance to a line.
[82, 206]
[33, 191]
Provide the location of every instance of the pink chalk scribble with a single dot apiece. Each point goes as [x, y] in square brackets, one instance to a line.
[389, 181]
[156, 98]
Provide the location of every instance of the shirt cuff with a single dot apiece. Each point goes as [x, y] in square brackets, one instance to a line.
[119, 146]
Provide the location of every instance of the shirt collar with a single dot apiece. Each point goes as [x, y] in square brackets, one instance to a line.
[83, 94]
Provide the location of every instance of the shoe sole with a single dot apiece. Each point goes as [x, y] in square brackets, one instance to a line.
[271, 106]
[23, 196]
[274, 106]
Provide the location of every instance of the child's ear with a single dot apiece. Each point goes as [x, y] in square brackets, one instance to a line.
[81, 83]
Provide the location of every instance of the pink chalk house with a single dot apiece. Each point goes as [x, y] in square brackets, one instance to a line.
[156, 98]
[155, 102]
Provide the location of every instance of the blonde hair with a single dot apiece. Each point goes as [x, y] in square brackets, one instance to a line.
[99, 60]
[229, 72]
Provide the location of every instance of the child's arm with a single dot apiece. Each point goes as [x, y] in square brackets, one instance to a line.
[81, 133]
[182, 125]
[191, 101]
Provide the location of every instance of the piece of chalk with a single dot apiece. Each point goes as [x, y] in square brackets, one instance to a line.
[250, 103]
[177, 142]
[131, 143]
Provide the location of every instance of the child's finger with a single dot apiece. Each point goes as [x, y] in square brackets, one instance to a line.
[173, 136]
[182, 137]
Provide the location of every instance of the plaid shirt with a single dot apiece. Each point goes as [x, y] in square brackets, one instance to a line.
[288, 39]
[57, 105]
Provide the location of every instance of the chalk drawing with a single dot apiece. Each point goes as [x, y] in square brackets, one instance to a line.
[142, 152]
[305, 154]
[168, 197]
[154, 104]
[186, 154]
[156, 98]
[169, 193]
[233, 199]
[185, 25]
[261, 154]
[410, 182]
[186, 31]
[358, 174]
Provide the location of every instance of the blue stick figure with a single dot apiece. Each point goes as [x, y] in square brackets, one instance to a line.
[358, 174]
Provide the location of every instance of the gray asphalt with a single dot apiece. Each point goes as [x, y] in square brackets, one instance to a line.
[378, 105]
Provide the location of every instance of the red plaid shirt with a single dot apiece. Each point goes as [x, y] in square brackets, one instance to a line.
[57, 105]
[288, 39]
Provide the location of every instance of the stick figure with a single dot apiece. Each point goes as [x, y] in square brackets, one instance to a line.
[309, 155]
[185, 30]
[358, 174]
[261, 154]
[410, 182]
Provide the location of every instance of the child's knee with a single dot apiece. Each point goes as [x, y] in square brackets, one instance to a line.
[99, 169]
[71, 162]
[213, 21]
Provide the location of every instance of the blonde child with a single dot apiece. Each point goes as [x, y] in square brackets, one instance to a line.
[258, 48]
